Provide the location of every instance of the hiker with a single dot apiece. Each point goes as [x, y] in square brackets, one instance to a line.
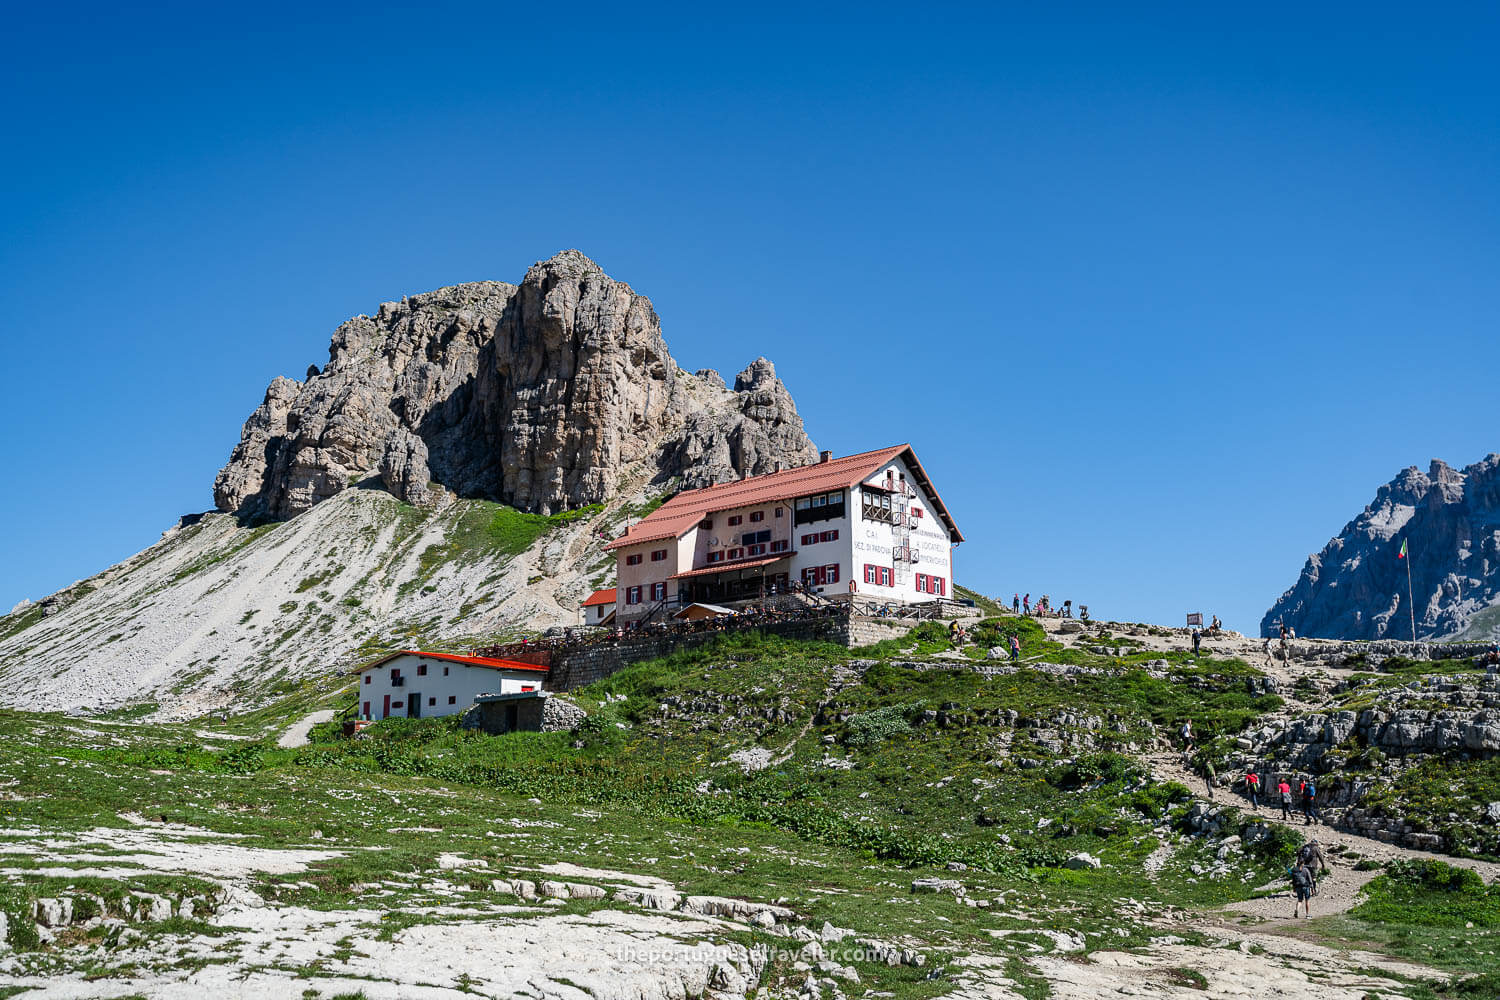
[1310, 855]
[1015, 649]
[1026, 604]
[1310, 803]
[1186, 733]
[1210, 778]
[1268, 649]
[1215, 626]
[1197, 640]
[1283, 633]
[1285, 791]
[1302, 885]
[1252, 789]
[955, 634]
[1015, 603]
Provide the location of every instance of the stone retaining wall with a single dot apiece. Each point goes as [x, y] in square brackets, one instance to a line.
[577, 668]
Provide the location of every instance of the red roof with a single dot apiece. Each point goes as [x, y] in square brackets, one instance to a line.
[473, 661]
[687, 508]
[725, 567]
[600, 597]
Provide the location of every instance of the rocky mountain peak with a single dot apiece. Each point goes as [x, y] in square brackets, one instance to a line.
[539, 395]
[1356, 588]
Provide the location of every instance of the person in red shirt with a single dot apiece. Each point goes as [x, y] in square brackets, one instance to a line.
[1285, 791]
[1252, 789]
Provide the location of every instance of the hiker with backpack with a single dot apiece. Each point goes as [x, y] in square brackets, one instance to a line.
[1310, 803]
[1285, 791]
[1252, 788]
[1302, 887]
[1310, 856]
[1210, 778]
[1186, 733]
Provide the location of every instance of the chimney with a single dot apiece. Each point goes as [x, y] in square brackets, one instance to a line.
[824, 456]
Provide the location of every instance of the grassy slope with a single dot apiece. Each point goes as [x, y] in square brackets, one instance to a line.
[869, 795]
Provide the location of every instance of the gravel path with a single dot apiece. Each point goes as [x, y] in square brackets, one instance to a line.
[296, 733]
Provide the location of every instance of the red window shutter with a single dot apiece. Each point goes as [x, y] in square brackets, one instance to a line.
[367, 710]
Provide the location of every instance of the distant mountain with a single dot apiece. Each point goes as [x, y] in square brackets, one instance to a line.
[446, 479]
[1356, 588]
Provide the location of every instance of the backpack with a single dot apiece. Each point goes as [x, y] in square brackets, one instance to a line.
[1300, 877]
[1309, 791]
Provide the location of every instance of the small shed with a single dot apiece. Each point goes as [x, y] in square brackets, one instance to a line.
[508, 713]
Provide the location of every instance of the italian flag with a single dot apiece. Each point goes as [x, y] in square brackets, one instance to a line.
[1402, 553]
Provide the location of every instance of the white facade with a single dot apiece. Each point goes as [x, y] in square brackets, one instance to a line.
[439, 685]
[925, 571]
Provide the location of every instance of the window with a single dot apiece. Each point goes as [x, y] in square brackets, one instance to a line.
[445, 671]
[632, 595]
[658, 555]
[811, 539]
[916, 512]
[706, 523]
[778, 511]
[831, 573]
[921, 583]
[658, 591]
[880, 576]
[755, 550]
[395, 675]
[828, 536]
[756, 537]
[398, 704]
[757, 515]
[823, 507]
[367, 678]
[714, 557]
[421, 670]
[634, 560]
[736, 519]
[452, 699]
[431, 701]
[942, 587]
[779, 545]
[367, 710]
[735, 554]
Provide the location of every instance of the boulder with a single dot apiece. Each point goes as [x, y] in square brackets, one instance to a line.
[1083, 861]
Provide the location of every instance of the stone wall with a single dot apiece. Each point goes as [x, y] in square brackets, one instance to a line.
[577, 668]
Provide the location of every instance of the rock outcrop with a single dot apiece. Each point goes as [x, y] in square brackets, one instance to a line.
[538, 395]
[1356, 588]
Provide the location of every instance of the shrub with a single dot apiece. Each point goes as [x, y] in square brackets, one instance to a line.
[870, 729]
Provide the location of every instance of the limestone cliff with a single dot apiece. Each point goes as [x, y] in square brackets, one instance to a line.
[1356, 588]
[539, 395]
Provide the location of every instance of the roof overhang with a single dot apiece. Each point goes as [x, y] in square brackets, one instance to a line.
[731, 567]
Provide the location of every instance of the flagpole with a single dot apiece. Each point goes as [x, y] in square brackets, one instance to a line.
[1411, 605]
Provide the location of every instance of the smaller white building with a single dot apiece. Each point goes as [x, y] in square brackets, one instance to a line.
[599, 607]
[413, 684]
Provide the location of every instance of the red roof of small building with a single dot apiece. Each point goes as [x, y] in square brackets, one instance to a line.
[473, 661]
[687, 508]
[600, 597]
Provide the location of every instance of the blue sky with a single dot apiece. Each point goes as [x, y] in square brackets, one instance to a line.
[1161, 297]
